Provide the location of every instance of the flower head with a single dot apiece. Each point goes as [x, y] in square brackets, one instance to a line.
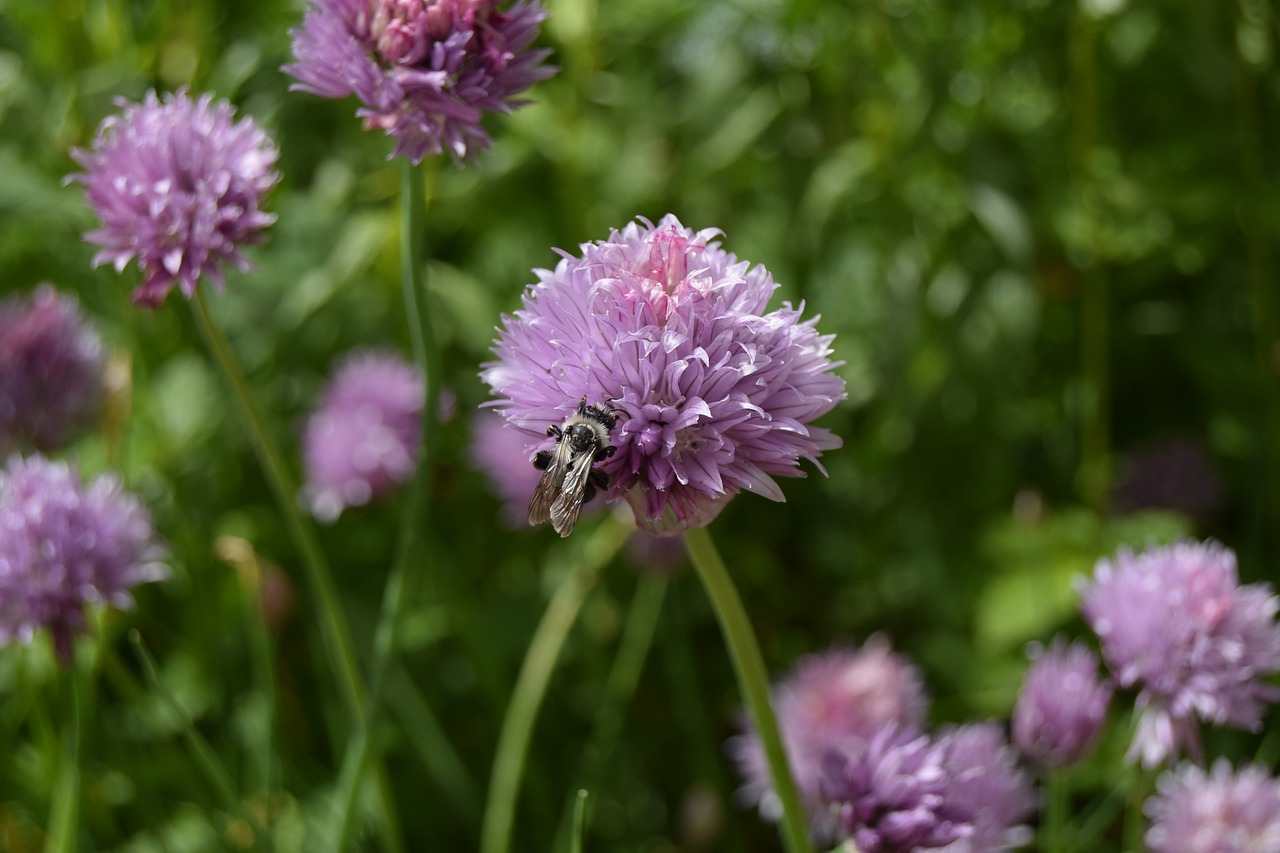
[959, 790]
[892, 796]
[834, 701]
[363, 440]
[178, 185]
[1062, 705]
[426, 70]
[51, 372]
[713, 394]
[65, 544]
[1176, 623]
[1195, 811]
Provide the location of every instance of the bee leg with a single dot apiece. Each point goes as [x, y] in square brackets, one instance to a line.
[598, 478]
[542, 460]
[605, 453]
[555, 432]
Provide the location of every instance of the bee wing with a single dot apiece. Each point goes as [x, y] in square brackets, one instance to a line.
[568, 504]
[549, 485]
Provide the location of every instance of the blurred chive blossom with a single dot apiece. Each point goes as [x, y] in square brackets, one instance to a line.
[714, 395]
[837, 700]
[427, 71]
[1062, 705]
[178, 184]
[1216, 811]
[959, 789]
[65, 544]
[52, 367]
[498, 450]
[1175, 622]
[363, 439]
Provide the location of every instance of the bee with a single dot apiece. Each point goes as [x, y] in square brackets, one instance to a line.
[569, 480]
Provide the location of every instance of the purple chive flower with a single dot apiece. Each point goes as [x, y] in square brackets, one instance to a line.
[64, 545]
[177, 184]
[834, 701]
[1062, 705]
[1221, 811]
[52, 367]
[363, 440]
[426, 71]
[498, 451]
[987, 784]
[1176, 623]
[892, 796]
[959, 790]
[713, 394]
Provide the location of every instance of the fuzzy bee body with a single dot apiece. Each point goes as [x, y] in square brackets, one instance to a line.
[568, 479]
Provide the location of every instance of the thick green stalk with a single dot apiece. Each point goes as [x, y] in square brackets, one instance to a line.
[410, 553]
[64, 814]
[753, 680]
[535, 674]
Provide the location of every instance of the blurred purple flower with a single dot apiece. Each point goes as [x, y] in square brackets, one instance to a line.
[1175, 622]
[52, 367]
[891, 797]
[177, 184]
[363, 439]
[426, 70]
[834, 701]
[1062, 705]
[64, 545]
[498, 450]
[959, 791]
[987, 784]
[714, 395]
[1195, 811]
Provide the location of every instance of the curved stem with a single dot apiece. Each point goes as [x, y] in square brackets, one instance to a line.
[334, 632]
[333, 624]
[535, 674]
[753, 680]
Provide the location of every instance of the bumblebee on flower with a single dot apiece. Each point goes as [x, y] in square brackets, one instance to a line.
[712, 394]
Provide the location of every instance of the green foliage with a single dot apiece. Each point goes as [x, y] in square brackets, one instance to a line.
[942, 182]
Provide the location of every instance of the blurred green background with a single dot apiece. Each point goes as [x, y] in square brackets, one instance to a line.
[1043, 233]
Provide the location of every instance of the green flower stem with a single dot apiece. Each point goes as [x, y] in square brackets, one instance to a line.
[333, 624]
[753, 679]
[535, 673]
[410, 553]
[335, 634]
[64, 813]
[1057, 804]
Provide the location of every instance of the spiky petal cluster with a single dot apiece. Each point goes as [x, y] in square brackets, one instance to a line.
[959, 790]
[426, 71]
[178, 184]
[1176, 623]
[51, 372]
[363, 439]
[65, 544]
[1221, 811]
[1062, 705]
[714, 395]
[833, 701]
